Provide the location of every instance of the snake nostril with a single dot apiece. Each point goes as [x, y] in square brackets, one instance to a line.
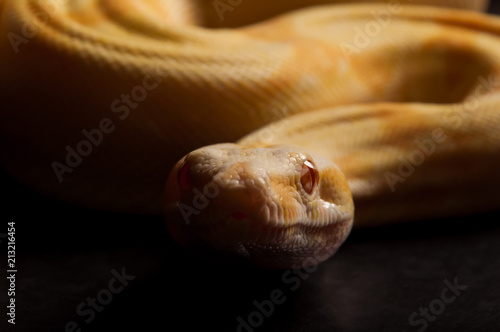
[184, 177]
[190, 181]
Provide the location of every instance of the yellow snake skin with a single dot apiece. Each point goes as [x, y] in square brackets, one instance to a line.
[100, 98]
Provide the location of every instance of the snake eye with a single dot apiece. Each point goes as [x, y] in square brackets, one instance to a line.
[309, 176]
[183, 177]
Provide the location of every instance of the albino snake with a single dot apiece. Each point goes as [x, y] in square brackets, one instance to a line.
[100, 98]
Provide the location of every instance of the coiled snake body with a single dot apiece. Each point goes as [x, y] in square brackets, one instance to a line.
[101, 98]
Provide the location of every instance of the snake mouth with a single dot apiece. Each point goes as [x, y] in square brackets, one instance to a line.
[240, 237]
[292, 246]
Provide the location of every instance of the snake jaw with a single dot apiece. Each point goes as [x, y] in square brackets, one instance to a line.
[261, 207]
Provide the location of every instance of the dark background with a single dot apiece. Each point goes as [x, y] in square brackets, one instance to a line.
[378, 279]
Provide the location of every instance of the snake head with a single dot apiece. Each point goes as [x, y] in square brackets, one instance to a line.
[276, 207]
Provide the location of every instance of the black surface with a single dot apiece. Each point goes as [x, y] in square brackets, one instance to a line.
[377, 280]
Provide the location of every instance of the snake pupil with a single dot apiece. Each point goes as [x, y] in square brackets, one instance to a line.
[183, 177]
[309, 176]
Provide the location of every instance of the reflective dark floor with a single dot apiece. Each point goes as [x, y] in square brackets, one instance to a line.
[91, 271]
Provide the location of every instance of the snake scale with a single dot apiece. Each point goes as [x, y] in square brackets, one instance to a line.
[290, 110]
